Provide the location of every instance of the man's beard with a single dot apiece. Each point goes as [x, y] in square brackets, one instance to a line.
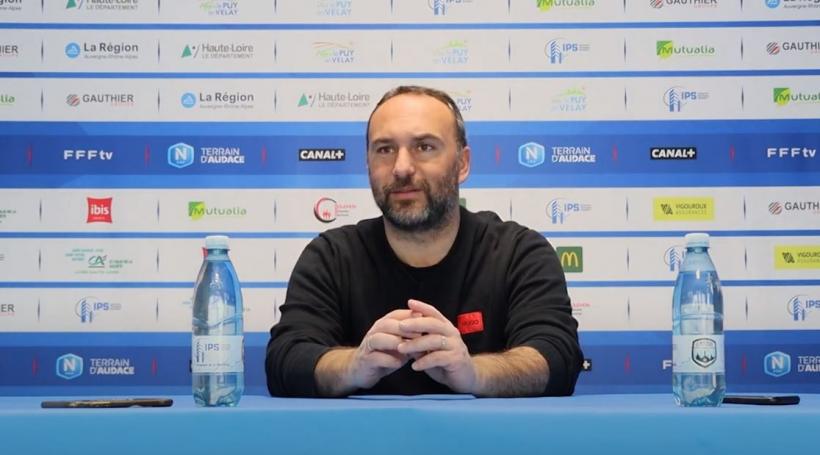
[432, 216]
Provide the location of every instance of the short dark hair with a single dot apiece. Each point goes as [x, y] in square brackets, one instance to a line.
[461, 131]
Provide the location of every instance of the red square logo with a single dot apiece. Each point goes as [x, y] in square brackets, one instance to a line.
[470, 322]
[99, 210]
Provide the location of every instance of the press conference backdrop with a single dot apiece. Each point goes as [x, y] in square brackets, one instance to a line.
[133, 128]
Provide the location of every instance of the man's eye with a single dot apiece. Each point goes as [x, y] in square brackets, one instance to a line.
[426, 147]
[383, 150]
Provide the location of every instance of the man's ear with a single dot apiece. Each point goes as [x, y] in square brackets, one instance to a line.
[464, 164]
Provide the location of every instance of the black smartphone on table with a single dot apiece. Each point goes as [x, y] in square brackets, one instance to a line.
[109, 403]
[762, 399]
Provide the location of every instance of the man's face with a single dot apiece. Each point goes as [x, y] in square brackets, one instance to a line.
[414, 162]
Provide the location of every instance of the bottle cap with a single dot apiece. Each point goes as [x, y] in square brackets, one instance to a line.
[700, 239]
[216, 242]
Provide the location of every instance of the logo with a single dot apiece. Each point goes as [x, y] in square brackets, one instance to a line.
[180, 155]
[704, 352]
[772, 3]
[219, 7]
[667, 49]
[9, 50]
[673, 257]
[69, 366]
[197, 211]
[677, 97]
[103, 50]
[578, 307]
[799, 306]
[72, 50]
[572, 258]
[334, 8]
[322, 154]
[6, 214]
[99, 210]
[87, 308]
[338, 100]
[87, 155]
[573, 155]
[327, 210]
[558, 210]
[791, 152]
[796, 257]
[110, 367]
[470, 322]
[531, 154]
[7, 309]
[570, 100]
[464, 100]
[442, 7]
[795, 47]
[6, 100]
[792, 4]
[96, 261]
[11, 5]
[455, 52]
[586, 365]
[218, 100]
[777, 364]
[683, 208]
[218, 51]
[784, 96]
[103, 5]
[334, 53]
[104, 99]
[188, 100]
[812, 207]
[658, 4]
[559, 49]
[547, 5]
[673, 153]
[808, 364]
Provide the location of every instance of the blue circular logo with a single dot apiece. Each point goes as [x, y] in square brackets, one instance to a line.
[72, 50]
[772, 3]
[188, 100]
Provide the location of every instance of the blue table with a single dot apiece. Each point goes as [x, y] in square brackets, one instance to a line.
[611, 424]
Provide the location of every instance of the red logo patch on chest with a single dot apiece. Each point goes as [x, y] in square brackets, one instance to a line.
[470, 322]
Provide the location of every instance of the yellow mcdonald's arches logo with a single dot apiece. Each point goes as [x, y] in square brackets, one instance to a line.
[796, 257]
[683, 208]
[572, 258]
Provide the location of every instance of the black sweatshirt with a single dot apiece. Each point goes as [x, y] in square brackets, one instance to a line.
[349, 277]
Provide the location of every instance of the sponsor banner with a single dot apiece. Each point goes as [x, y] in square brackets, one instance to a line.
[17, 8]
[568, 209]
[20, 210]
[782, 207]
[20, 51]
[683, 49]
[218, 12]
[783, 97]
[329, 100]
[565, 99]
[784, 9]
[203, 51]
[331, 11]
[551, 11]
[782, 47]
[317, 210]
[683, 209]
[797, 257]
[214, 210]
[99, 50]
[598, 308]
[780, 307]
[684, 98]
[451, 50]
[99, 100]
[96, 260]
[677, 10]
[85, 11]
[218, 100]
[660, 258]
[566, 50]
[326, 51]
[449, 11]
[18, 310]
[98, 210]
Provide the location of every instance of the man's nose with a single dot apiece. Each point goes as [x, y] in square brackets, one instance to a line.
[403, 166]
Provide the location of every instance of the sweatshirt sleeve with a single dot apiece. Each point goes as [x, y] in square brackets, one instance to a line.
[310, 324]
[540, 313]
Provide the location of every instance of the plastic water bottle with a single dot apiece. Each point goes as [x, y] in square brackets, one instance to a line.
[217, 344]
[698, 366]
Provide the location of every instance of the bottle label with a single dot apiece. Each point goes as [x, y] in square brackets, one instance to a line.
[217, 354]
[697, 354]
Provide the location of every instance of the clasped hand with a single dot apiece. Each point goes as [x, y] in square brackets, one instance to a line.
[419, 334]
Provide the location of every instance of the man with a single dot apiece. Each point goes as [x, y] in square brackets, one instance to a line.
[428, 298]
